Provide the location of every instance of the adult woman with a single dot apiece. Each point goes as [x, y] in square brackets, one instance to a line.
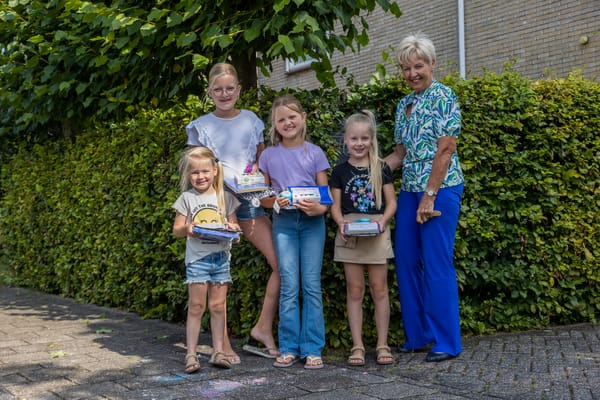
[427, 125]
[236, 137]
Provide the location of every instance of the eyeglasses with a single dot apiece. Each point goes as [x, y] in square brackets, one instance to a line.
[228, 90]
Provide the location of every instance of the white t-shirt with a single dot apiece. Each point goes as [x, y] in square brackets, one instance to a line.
[203, 209]
[233, 140]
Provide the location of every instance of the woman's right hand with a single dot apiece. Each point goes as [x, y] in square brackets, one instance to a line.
[425, 211]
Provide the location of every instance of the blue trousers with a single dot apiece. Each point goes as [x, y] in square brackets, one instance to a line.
[425, 271]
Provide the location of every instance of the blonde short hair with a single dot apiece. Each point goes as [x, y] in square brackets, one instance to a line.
[416, 45]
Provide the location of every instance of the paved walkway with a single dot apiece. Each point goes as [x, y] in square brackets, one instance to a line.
[55, 348]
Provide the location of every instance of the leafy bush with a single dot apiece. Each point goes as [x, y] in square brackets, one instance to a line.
[92, 219]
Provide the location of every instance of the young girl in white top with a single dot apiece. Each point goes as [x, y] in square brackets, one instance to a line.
[236, 136]
[203, 202]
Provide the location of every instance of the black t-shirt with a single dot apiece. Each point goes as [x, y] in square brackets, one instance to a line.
[357, 195]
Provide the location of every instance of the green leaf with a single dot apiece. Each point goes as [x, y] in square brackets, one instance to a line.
[174, 19]
[395, 9]
[285, 41]
[280, 5]
[81, 87]
[224, 41]
[155, 14]
[64, 86]
[36, 39]
[186, 39]
[114, 65]
[148, 29]
[121, 42]
[60, 35]
[99, 61]
[200, 61]
[254, 31]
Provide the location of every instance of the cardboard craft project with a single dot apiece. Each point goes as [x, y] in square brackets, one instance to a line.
[247, 183]
[362, 227]
[250, 187]
[320, 193]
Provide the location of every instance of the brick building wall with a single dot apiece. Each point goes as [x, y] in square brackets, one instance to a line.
[540, 37]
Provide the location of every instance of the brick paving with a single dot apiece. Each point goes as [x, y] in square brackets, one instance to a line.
[56, 348]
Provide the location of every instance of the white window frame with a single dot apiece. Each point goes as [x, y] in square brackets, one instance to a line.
[292, 66]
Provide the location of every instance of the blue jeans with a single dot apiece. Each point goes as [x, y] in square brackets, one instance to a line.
[299, 242]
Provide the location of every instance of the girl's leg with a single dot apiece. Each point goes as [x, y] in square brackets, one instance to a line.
[355, 291]
[196, 306]
[285, 239]
[380, 295]
[259, 232]
[227, 348]
[312, 240]
[217, 296]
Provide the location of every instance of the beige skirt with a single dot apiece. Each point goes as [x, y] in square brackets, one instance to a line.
[363, 249]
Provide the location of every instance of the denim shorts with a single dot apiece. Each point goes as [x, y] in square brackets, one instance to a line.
[211, 268]
[246, 211]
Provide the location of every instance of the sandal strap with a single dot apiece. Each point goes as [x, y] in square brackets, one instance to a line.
[286, 357]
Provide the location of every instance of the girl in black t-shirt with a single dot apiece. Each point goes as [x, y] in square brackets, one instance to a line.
[363, 190]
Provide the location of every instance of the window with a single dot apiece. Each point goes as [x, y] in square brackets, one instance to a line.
[292, 66]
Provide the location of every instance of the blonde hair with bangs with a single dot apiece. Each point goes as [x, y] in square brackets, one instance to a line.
[293, 104]
[201, 153]
[366, 117]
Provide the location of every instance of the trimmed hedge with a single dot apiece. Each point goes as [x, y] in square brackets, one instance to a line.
[92, 219]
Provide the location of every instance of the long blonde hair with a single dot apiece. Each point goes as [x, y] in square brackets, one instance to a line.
[293, 104]
[366, 117]
[201, 153]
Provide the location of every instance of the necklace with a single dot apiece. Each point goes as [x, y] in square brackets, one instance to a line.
[358, 166]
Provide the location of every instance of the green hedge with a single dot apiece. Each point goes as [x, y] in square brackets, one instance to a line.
[92, 220]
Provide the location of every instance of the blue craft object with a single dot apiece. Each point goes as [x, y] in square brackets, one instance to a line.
[216, 234]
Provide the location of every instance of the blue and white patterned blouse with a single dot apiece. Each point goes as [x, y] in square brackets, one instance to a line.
[435, 113]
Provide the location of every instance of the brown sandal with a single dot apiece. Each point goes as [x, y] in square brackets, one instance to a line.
[220, 359]
[357, 356]
[191, 364]
[384, 355]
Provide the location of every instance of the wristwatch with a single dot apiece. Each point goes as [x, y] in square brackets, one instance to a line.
[430, 192]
